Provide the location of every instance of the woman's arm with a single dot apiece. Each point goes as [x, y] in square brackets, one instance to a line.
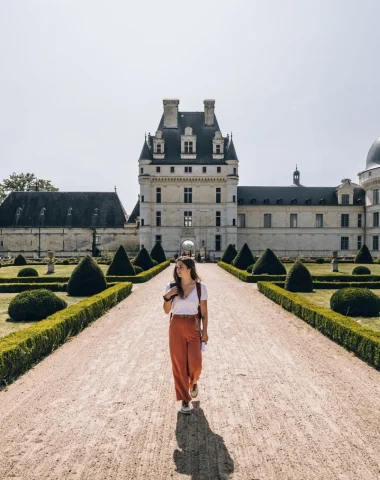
[204, 314]
[168, 305]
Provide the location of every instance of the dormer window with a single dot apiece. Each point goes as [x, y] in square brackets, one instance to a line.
[189, 147]
[158, 146]
[217, 146]
[188, 144]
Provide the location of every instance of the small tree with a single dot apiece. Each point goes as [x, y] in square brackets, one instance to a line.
[244, 258]
[269, 263]
[229, 254]
[364, 255]
[143, 259]
[87, 279]
[121, 265]
[19, 260]
[158, 253]
[299, 278]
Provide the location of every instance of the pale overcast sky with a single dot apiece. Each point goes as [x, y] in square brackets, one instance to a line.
[297, 81]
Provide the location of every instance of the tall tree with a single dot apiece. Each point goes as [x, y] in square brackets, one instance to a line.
[24, 182]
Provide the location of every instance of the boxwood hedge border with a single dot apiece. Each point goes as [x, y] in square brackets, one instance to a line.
[357, 338]
[21, 350]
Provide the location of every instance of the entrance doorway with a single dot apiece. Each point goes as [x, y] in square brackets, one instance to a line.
[188, 248]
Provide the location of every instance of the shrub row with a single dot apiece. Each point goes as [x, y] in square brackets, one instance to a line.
[21, 287]
[22, 349]
[362, 340]
[337, 285]
[249, 278]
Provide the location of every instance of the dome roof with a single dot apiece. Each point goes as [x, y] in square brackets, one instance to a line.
[373, 157]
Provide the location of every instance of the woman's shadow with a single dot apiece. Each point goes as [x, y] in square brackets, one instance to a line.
[201, 453]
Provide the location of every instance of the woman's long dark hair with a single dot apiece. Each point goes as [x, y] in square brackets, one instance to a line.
[189, 262]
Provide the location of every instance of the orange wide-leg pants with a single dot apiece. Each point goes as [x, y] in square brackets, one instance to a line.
[185, 353]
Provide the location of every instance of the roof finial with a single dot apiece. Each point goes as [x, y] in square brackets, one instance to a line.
[115, 188]
[231, 135]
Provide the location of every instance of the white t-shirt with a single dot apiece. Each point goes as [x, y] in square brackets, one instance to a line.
[189, 305]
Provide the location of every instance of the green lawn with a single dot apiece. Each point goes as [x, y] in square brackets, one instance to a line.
[60, 270]
[322, 299]
[344, 268]
[7, 326]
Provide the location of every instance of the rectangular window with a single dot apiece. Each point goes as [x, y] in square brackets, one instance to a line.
[218, 195]
[345, 220]
[218, 169]
[171, 169]
[376, 219]
[234, 222]
[344, 243]
[142, 222]
[293, 220]
[375, 196]
[204, 169]
[217, 219]
[141, 170]
[360, 219]
[158, 169]
[267, 220]
[241, 220]
[158, 195]
[158, 219]
[188, 219]
[158, 238]
[234, 198]
[188, 169]
[142, 198]
[319, 220]
[359, 242]
[375, 242]
[188, 147]
[218, 148]
[345, 199]
[218, 243]
[234, 171]
[98, 239]
[188, 195]
[158, 148]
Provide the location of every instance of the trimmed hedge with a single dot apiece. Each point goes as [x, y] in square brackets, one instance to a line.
[247, 277]
[364, 255]
[362, 340]
[86, 279]
[269, 264]
[355, 302]
[21, 350]
[21, 287]
[34, 305]
[158, 253]
[299, 279]
[229, 254]
[361, 270]
[141, 277]
[244, 258]
[28, 272]
[121, 265]
[19, 260]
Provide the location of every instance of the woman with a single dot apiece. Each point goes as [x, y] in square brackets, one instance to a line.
[185, 334]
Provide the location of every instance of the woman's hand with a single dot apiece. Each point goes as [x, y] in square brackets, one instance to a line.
[204, 338]
[171, 292]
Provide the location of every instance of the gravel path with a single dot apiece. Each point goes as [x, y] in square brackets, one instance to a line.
[278, 400]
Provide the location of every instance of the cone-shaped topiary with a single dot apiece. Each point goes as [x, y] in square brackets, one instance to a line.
[87, 279]
[299, 278]
[355, 302]
[363, 255]
[121, 265]
[35, 305]
[229, 254]
[158, 253]
[27, 272]
[20, 260]
[143, 259]
[269, 264]
[244, 258]
[361, 270]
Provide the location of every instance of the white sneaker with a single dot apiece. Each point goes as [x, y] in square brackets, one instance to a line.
[194, 391]
[185, 408]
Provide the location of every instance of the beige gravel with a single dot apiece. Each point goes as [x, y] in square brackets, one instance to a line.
[278, 400]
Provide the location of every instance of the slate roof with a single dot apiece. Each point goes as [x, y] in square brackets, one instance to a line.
[231, 152]
[135, 213]
[373, 157]
[56, 206]
[172, 137]
[287, 196]
[146, 152]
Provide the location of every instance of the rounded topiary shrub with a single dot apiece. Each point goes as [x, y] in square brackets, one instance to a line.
[229, 254]
[320, 260]
[27, 272]
[137, 269]
[19, 260]
[143, 259]
[299, 278]
[158, 253]
[66, 262]
[121, 265]
[87, 279]
[355, 302]
[361, 270]
[269, 264]
[244, 258]
[34, 305]
[364, 255]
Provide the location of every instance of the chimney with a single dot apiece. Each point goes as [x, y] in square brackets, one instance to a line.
[171, 113]
[209, 112]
